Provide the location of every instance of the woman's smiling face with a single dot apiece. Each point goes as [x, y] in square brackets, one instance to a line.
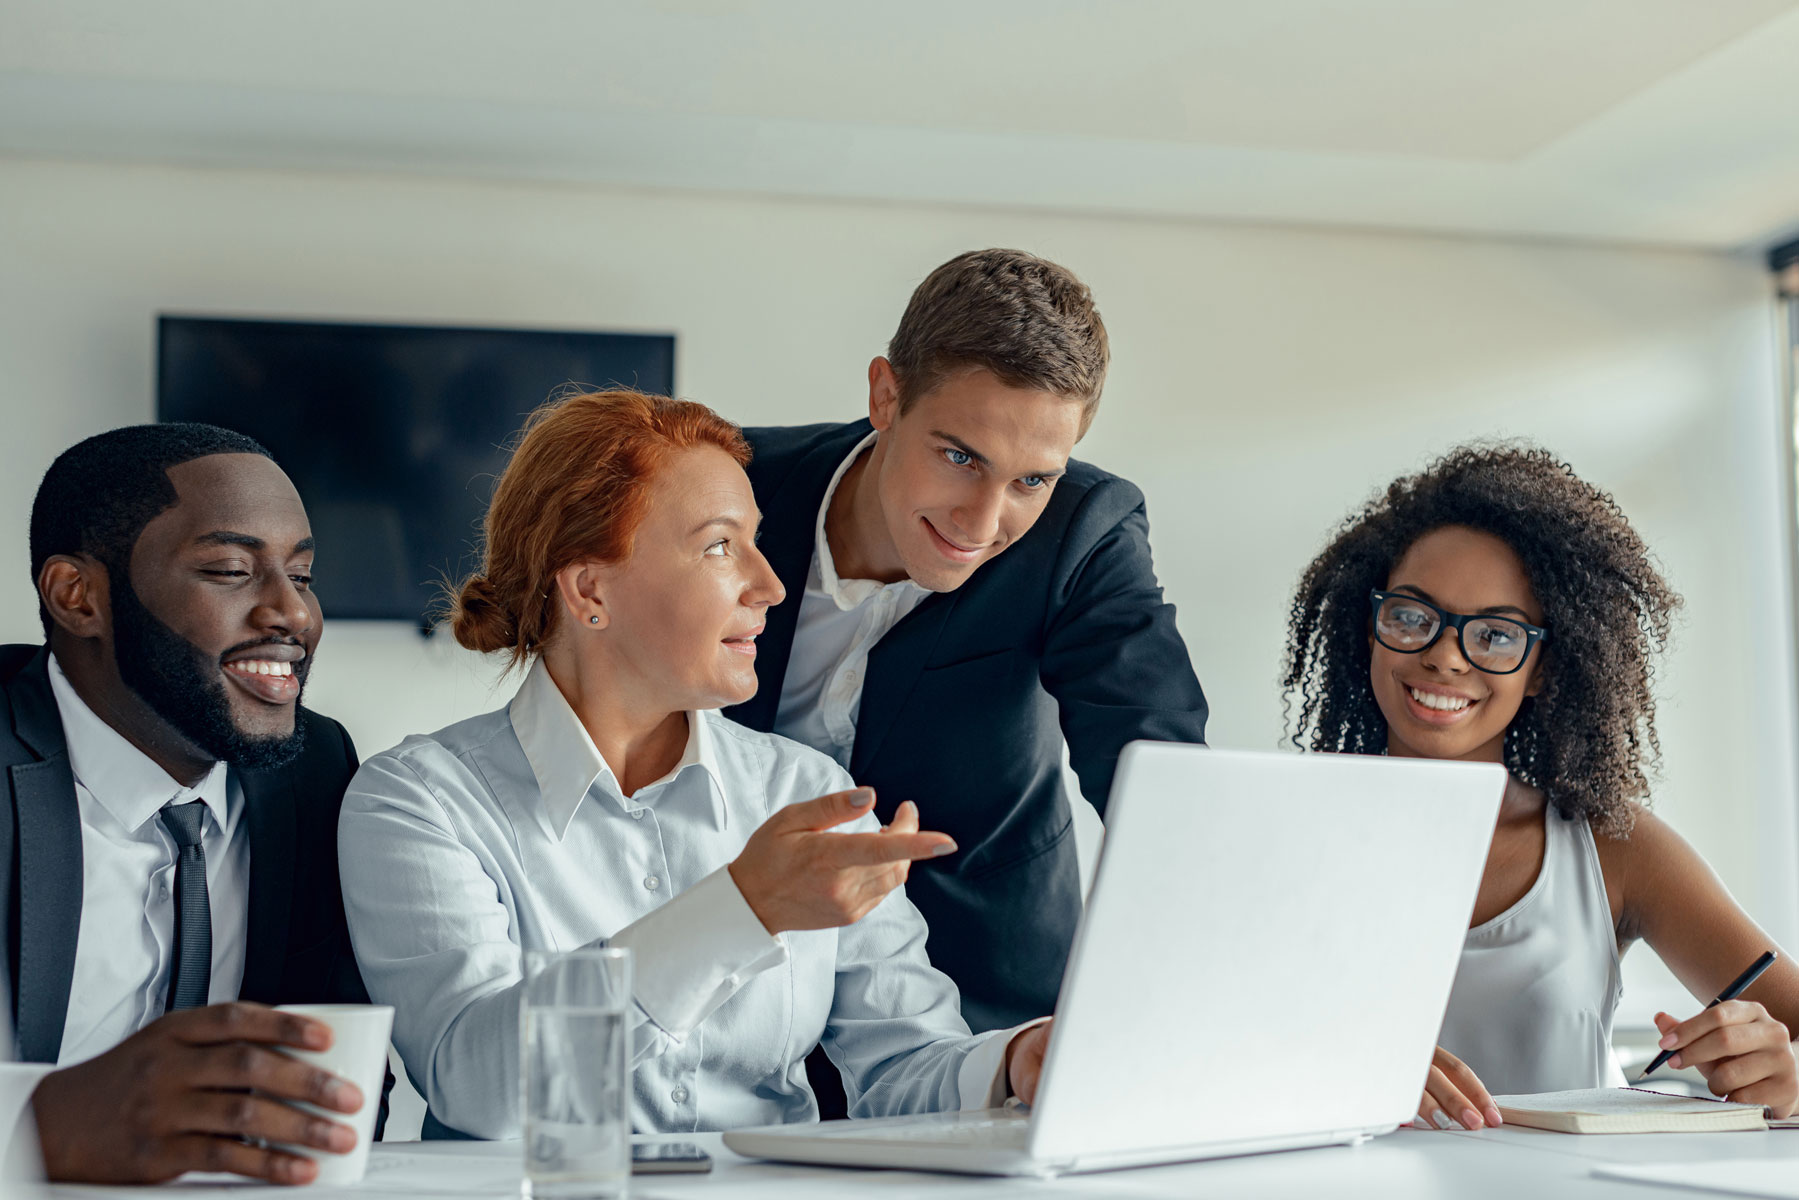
[682, 613]
[1436, 704]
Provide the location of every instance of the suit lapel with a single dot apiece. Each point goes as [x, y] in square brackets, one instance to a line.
[49, 902]
[893, 669]
[48, 885]
[791, 557]
[269, 806]
[790, 524]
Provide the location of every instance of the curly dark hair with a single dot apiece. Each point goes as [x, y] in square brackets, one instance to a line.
[1588, 738]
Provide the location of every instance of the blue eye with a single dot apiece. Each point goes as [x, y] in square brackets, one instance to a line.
[1033, 481]
[960, 458]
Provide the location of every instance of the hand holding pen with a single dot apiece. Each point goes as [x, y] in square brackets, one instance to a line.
[1744, 1054]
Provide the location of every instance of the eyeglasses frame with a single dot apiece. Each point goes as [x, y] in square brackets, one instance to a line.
[1532, 633]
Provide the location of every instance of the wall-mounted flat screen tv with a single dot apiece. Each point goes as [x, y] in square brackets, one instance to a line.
[392, 434]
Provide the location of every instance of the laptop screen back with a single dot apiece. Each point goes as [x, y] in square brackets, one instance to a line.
[1267, 949]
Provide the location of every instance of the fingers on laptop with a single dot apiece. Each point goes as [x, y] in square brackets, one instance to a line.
[1455, 1097]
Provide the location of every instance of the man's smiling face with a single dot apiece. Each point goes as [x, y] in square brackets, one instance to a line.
[216, 625]
[966, 470]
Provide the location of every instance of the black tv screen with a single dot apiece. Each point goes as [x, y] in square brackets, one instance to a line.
[392, 434]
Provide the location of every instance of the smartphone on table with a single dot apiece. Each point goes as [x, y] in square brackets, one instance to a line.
[669, 1158]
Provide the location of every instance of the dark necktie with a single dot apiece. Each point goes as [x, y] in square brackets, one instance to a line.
[192, 976]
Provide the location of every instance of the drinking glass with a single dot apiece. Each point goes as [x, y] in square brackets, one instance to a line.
[575, 1079]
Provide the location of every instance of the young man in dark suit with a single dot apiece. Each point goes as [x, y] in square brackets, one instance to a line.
[962, 597]
[168, 818]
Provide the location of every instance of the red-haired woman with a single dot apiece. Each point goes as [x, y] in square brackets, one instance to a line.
[609, 804]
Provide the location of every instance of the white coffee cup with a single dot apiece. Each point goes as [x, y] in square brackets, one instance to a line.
[358, 1053]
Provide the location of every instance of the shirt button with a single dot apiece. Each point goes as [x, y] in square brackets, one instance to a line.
[652, 882]
[849, 677]
[637, 814]
[165, 891]
[679, 1095]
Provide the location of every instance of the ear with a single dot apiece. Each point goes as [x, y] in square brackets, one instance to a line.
[73, 587]
[883, 394]
[582, 589]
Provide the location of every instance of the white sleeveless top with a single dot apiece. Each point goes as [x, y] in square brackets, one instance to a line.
[1532, 1005]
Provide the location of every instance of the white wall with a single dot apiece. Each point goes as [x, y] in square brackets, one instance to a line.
[1266, 380]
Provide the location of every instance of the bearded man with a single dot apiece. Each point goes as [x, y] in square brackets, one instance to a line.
[168, 818]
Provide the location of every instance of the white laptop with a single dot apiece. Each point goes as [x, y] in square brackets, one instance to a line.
[1262, 965]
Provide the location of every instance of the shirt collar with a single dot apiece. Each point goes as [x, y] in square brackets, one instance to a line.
[846, 593]
[125, 781]
[568, 766]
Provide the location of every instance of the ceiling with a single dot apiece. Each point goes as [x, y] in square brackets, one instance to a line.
[1657, 121]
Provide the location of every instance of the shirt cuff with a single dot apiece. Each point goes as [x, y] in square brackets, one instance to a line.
[696, 951]
[19, 1158]
[983, 1074]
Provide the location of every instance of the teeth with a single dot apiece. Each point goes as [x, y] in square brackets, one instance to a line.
[1439, 701]
[262, 666]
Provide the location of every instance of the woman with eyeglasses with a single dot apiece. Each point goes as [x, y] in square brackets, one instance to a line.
[1496, 608]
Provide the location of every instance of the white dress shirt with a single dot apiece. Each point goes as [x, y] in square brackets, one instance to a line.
[509, 831]
[840, 621]
[125, 944]
[124, 954]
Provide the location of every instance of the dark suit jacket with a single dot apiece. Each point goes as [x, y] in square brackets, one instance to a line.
[298, 945]
[966, 703]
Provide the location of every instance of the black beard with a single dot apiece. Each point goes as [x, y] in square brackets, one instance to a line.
[181, 685]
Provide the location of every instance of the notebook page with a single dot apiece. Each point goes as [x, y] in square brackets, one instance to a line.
[1619, 1102]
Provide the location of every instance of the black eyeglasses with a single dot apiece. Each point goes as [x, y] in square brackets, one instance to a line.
[1408, 625]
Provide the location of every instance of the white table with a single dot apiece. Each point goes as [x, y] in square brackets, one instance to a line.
[1502, 1164]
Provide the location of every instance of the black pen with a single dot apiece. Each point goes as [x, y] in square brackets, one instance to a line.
[1730, 993]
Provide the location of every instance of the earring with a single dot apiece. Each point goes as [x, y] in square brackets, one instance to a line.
[593, 620]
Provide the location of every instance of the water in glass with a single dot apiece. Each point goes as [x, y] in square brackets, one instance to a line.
[577, 1131]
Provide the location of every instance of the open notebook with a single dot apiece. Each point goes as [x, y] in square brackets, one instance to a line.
[1628, 1110]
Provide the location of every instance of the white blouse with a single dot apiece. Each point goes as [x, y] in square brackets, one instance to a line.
[509, 831]
[1532, 1005]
